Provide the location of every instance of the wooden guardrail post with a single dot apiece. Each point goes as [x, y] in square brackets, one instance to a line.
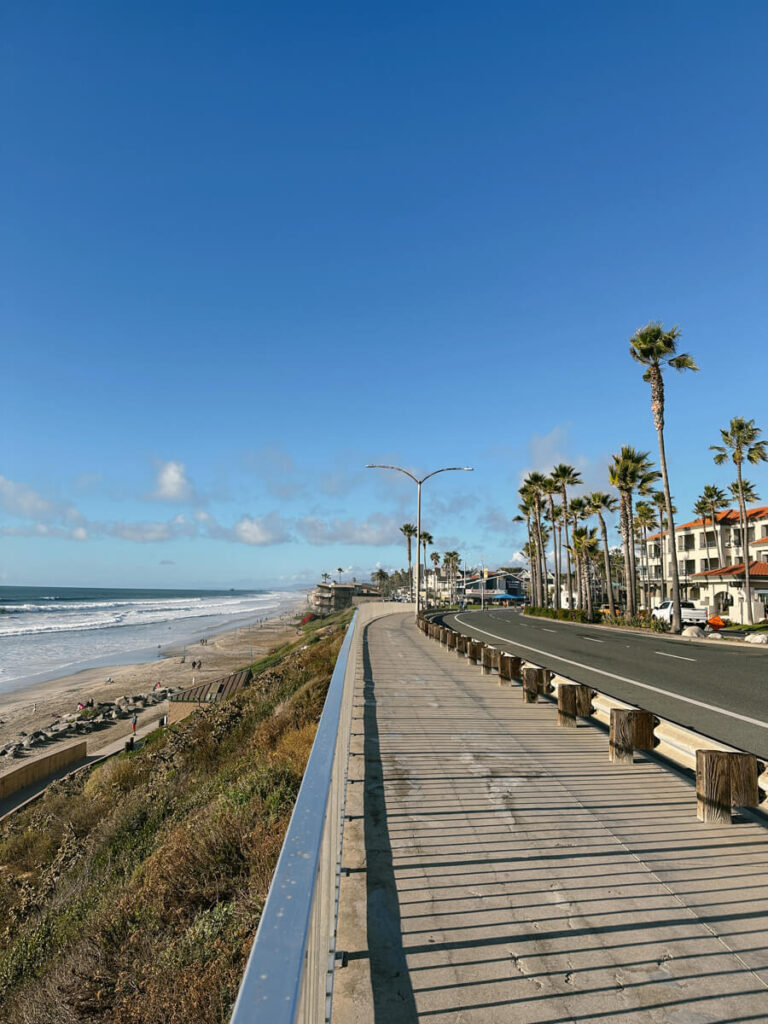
[474, 651]
[567, 699]
[532, 682]
[713, 787]
[631, 729]
[489, 660]
[509, 668]
[451, 642]
[461, 642]
[724, 779]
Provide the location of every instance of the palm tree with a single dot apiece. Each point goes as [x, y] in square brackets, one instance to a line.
[630, 470]
[599, 502]
[426, 538]
[408, 530]
[525, 515]
[380, 577]
[645, 519]
[584, 547]
[660, 502]
[435, 559]
[535, 484]
[451, 563]
[551, 488]
[339, 571]
[325, 577]
[741, 444]
[579, 510]
[701, 511]
[715, 500]
[566, 476]
[654, 347]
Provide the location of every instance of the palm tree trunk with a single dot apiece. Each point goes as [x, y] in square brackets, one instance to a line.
[590, 611]
[745, 546]
[540, 553]
[647, 587]
[657, 408]
[554, 551]
[607, 562]
[662, 559]
[624, 526]
[577, 566]
[632, 551]
[718, 538]
[567, 548]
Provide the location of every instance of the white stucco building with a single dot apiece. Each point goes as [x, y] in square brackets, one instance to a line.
[710, 565]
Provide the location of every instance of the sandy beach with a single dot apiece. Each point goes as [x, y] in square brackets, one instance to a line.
[37, 706]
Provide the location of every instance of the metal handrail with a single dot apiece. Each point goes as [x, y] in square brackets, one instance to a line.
[289, 975]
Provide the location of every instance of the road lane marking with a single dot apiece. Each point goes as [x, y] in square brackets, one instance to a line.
[591, 639]
[549, 630]
[622, 679]
[678, 656]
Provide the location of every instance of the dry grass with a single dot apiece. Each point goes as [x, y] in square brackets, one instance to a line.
[131, 894]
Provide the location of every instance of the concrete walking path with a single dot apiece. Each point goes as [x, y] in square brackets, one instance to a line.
[502, 870]
[95, 753]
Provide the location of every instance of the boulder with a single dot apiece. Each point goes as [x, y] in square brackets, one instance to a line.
[696, 631]
[715, 636]
[757, 638]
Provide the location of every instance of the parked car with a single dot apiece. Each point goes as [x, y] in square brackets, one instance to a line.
[689, 613]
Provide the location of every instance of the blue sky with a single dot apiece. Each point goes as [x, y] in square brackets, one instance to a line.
[249, 248]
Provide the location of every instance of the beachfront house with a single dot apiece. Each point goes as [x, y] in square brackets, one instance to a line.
[710, 565]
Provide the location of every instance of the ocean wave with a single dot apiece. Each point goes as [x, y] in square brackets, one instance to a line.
[82, 616]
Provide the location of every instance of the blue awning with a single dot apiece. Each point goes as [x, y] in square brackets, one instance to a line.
[505, 597]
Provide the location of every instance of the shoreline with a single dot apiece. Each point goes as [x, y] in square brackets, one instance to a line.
[35, 706]
[145, 654]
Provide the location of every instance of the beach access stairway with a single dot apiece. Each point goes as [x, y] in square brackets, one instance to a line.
[498, 866]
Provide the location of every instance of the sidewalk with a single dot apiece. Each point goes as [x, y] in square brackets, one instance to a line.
[501, 870]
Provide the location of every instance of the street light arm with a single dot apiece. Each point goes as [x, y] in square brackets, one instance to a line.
[448, 469]
[375, 465]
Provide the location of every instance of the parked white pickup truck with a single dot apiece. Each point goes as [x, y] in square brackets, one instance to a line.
[689, 613]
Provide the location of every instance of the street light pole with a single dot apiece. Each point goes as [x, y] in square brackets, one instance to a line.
[399, 469]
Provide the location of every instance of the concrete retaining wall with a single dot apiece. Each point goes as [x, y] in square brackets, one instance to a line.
[32, 771]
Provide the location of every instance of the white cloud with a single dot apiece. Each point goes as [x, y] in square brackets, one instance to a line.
[261, 530]
[22, 501]
[172, 483]
[376, 530]
[79, 533]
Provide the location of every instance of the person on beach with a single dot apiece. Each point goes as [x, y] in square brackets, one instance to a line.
[134, 722]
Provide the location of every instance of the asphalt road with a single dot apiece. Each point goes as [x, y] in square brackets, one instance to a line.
[718, 690]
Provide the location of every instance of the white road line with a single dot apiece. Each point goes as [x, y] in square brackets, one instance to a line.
[549, 630]
[678, 656]
[593, 640]
[622, 679]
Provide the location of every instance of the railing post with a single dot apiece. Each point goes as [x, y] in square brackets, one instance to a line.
[713, 787]
[724, 779]
[566, 705]
[488, 660]
[509, 668]
[631, 729]
[531, 683]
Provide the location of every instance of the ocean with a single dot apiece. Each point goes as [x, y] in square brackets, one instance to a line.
[46, 632]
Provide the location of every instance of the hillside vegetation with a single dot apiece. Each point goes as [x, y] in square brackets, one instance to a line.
[130, 893]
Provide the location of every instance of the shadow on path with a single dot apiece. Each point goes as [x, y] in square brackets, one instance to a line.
[393, 999]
